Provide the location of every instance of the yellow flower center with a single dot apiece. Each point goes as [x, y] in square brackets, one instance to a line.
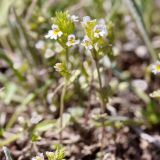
[87, 43]
[56, 31]
[72, 40]
[97, 31]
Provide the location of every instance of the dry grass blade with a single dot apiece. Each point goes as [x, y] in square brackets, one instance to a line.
[136, 13]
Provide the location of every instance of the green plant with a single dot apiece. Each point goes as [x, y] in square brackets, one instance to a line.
[97, 41]
[62, 30]
[58, 154]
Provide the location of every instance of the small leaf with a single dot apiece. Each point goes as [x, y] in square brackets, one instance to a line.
[1, 132]
[35, 137]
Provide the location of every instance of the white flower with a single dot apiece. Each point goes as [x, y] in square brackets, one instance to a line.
[74, 18]
[100, 30]
[39, 157]
[58, 67]
[54, 33]
[72, 40]
[87, 43]
[156, 67]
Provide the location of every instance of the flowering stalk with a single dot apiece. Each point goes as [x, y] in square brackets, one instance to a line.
[62, 31]
[96, 41]
[60, 67]
[103, 102]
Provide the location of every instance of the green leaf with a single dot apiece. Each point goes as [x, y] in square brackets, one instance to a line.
[10, 91]
[35, 137]
[45, 125]
[1, 132]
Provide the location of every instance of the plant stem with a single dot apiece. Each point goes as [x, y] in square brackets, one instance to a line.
[103, 104]
[62, 110]
[62, 101]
